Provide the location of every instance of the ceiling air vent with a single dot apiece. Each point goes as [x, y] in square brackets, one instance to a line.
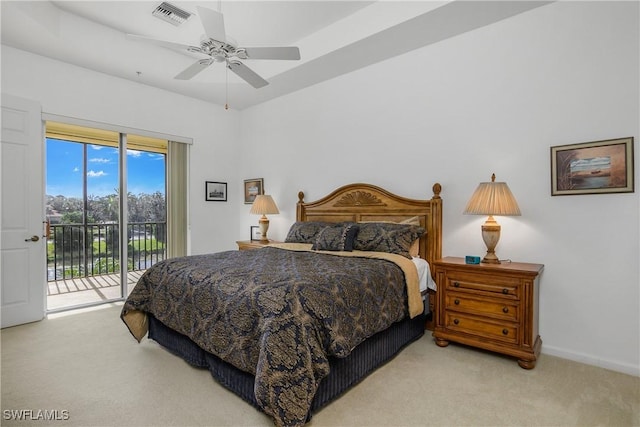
[171, 14]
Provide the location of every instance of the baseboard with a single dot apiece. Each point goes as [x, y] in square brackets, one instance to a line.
[593, 361]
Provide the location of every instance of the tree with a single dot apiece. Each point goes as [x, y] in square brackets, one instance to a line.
[564, 176]
[105, 209]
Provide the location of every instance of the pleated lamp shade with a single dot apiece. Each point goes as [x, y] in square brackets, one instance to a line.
[492, 198]
[264, 204]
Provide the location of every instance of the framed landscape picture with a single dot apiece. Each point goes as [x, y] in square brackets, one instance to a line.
[592, 167]
[252, 188]
[215, 191]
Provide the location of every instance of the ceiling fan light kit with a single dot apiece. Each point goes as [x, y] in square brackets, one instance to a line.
[216, 46]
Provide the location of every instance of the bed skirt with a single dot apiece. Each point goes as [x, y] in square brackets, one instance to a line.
[345, 372]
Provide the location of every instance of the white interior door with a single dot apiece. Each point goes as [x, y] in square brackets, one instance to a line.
[22, 246]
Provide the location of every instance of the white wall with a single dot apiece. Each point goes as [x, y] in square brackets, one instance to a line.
[493, 100]
[76, 92]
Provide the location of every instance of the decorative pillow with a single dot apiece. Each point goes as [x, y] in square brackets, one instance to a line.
[414, 250]
[336, 238]
[305, 232]
[387, 237]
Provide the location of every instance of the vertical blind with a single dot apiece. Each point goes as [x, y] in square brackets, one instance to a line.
[177, 202]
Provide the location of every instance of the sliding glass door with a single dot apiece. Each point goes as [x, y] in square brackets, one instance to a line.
[106, 209]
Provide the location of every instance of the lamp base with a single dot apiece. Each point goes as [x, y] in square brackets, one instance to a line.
[491, 236]
[490, 259]
[263, 223]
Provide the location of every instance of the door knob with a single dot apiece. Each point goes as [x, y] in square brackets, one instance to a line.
[32, 239]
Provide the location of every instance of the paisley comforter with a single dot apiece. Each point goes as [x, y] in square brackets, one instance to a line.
[277, 313]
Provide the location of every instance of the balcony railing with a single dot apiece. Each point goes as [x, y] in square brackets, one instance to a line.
[77, 250]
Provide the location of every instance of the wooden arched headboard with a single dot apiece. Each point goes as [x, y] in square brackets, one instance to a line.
[366, 202]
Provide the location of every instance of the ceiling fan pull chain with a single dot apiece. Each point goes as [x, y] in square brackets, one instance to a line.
[226, 87]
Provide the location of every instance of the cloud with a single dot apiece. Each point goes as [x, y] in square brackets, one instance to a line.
[591, 163]
[94, 174]
[99, 160]
[76, 169]
[134, 153]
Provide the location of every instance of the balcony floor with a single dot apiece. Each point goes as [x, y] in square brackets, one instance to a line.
[87, 290]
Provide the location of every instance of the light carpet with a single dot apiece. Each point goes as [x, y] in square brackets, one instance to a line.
[87, 368]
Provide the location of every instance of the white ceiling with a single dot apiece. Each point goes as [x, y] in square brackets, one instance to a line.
[334, 37]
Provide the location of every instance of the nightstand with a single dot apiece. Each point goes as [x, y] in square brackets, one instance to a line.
[245, 245]
[489, 306]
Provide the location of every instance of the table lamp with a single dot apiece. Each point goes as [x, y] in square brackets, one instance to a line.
[263, 205]
[492, 198]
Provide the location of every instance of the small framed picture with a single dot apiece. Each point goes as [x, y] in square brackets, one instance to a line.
[252, 188]
[255, 233]
[592, 167]
[215, 191]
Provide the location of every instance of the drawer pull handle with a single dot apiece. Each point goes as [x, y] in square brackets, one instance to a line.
[456, 321]
[505, 310]
[457, 302]
[505, 332]
[456, 284]
[505, 291]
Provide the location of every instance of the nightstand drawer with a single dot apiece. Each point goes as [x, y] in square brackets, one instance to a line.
[457, 322]
[507, 287]
[499, 308]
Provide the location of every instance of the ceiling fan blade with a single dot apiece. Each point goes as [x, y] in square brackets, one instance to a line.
[246, 74]
[291, 53]
[213, 24]
[163, 43]
[194, 69]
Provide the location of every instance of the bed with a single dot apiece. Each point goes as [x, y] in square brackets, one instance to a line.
[291, 326]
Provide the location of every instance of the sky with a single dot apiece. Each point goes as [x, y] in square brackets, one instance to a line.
[64, 166]
[588, 164]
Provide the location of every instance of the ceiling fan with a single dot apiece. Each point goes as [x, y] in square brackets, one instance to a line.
[218, 48]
